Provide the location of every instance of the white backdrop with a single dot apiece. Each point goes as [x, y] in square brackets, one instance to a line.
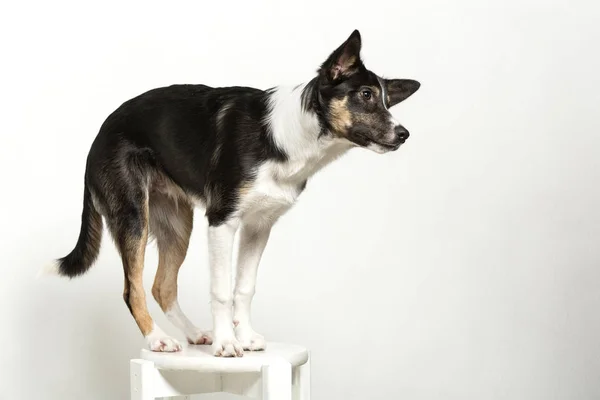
[464, 266]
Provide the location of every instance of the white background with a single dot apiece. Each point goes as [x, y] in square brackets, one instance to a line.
[463, 266]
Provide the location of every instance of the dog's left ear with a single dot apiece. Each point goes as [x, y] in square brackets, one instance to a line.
[345, 60]
[399, 90]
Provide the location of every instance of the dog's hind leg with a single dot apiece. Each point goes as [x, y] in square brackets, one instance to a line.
[171, 224]
[128, 222]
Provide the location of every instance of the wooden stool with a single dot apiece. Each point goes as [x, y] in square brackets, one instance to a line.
[281, 372]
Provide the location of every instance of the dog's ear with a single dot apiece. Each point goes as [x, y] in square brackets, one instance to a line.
[345, 60]
[399, 90]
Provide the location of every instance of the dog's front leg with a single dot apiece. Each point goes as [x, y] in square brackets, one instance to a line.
[253, 240]
[220, 248]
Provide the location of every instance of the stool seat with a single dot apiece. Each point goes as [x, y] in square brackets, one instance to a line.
[200, 358]
[281, 372]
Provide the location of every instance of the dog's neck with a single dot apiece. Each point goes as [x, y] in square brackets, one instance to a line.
[297, 132]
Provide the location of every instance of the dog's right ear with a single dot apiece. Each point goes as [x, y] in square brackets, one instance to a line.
[399, 90]
[345, 60]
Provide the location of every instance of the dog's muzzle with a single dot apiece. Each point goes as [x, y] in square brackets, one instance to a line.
[398, 137]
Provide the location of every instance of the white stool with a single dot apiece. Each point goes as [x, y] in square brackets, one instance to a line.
[281, 372]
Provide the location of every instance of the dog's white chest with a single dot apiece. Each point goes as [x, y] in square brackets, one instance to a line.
[278, 185]
[267, 199]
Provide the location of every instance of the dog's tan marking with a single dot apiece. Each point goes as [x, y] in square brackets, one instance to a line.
[133, 252]
[164, 185]
[244, 189]
[172, 242]
[341, 118]
[164, 288]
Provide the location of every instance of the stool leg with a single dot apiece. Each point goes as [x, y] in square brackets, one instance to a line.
[277, 381]
[140, 374]
[301, 381]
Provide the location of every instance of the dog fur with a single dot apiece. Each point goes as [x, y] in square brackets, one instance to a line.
[243, 155]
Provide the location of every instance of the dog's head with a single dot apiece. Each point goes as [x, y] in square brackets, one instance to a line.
[354, 102]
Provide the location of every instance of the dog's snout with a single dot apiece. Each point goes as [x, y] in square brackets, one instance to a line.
[401, 133]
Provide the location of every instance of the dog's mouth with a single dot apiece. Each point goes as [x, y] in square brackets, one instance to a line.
[389, 146]
[384, 145]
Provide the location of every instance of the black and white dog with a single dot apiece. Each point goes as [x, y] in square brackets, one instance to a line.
[244, 155]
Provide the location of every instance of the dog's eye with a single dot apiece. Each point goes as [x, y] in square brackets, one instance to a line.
[366, 94]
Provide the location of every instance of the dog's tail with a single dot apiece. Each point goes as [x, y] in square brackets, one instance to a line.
[83, 256]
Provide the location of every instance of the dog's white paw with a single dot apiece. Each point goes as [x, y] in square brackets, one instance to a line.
[249, 339]
[163, 344]
[200, 337]
[228, 347]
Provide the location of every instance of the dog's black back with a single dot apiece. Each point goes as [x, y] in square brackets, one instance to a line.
[199, 148]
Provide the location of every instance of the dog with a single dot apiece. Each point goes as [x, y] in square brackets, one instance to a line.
[241, 154]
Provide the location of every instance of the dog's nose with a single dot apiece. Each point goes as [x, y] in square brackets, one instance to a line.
[401, 133]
